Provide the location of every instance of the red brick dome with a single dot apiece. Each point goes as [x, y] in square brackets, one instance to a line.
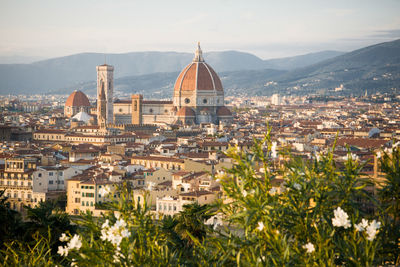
[198, 75]
[223, 111]
[77, 99]
[186, 112]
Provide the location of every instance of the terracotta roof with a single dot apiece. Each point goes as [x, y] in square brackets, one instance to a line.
[362, 142]
[186, 112]
[223, 111]
[77, 99]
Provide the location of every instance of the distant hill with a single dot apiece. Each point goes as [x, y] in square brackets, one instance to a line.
[75, 70]
[375, 68]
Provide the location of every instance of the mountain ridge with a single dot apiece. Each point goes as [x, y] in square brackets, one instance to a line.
[75, 69]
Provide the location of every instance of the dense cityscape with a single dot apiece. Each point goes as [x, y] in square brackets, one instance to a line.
[173, 153]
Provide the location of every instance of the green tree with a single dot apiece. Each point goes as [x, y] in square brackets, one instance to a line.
[389, 195]
[10, 220]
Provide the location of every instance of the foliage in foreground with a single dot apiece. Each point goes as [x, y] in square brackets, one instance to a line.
[322, 215]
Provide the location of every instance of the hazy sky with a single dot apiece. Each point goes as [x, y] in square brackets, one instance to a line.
[47, 28]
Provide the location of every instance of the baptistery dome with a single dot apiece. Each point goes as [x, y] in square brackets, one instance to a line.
[76, 103]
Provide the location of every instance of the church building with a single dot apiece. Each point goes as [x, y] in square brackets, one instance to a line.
[198, 97]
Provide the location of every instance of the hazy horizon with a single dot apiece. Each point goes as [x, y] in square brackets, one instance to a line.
[267, 29]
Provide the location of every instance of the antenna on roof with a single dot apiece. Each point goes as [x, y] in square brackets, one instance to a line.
[105, 61]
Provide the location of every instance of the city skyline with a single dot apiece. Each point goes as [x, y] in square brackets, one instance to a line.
[269, 30]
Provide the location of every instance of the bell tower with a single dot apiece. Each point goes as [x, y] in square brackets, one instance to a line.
[137, 109]
[105, 81]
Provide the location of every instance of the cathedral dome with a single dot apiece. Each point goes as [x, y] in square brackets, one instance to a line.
[198, 76]
[77, 99]
[186, 112]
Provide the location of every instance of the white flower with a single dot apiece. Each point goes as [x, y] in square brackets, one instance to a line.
[389, 150]
[273, 150]
[73, 263]
[261, 259]
[120, 223]
[63, 251]
[309, 247]
[372, 229]
[318, 157]
[244, 193]
[262, 170]
[362, 225]
[117, 214]
[64, 237]
[260, 226]
[125, 233]
[341, 219]
[351, 156]
[273, 190]
[105, 224]
[378, 155]
[75, 242]
[104, 191]
[297, 186]
[115, 233]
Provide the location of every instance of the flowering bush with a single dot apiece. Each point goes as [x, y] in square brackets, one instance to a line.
[320, 215]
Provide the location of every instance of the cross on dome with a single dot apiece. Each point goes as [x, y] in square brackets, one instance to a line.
[198, 56]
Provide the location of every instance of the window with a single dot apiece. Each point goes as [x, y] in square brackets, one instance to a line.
[187, 100]
[83, 203]
[151, 110]
[50, 173]
[50, 181]
[91, 203]
[204, 101]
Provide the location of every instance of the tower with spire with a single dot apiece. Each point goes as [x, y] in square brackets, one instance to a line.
[105, 85]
